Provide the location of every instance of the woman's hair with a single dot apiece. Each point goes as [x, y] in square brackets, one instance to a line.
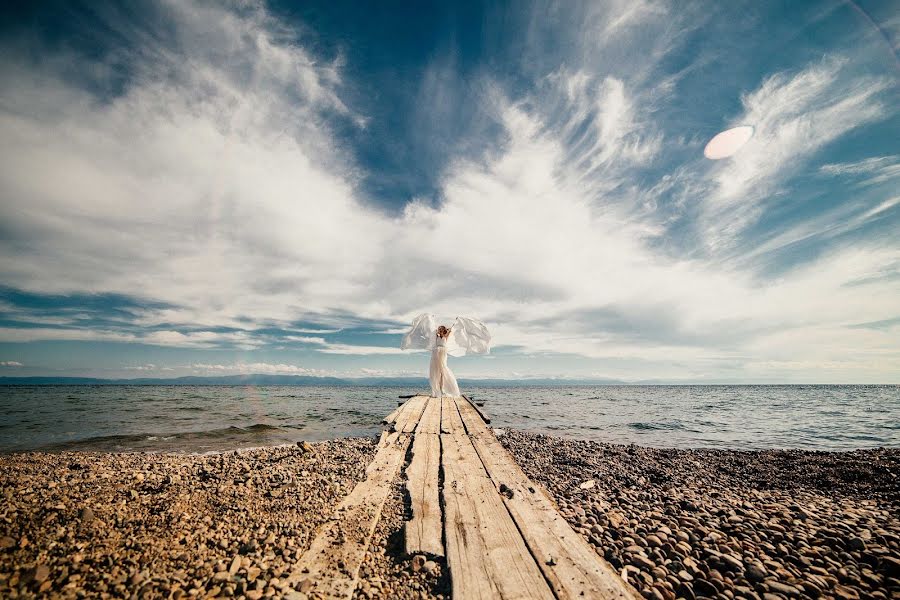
[442, 331]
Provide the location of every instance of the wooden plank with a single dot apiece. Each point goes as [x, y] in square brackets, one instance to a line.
[430, 422]
[393, 416]
[450, 421]
[483, 414]
[332, 562]
[486, 555]
[408, 419]
[422, 533]
[472, 421]
[569, 563]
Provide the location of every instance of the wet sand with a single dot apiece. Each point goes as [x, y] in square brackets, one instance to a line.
[678, 523]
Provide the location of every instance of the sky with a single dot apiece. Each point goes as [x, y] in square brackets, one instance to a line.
[201, 188]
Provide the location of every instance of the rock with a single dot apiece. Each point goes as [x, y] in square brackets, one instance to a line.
[733, 563]
[782, 588]
[654, 541]
[86, 514]
[429, 566]
[506, 491]
[857, 543]
[755, 571]
[685, 591]
[586, 485]
[845, 592]
[617, 519]
[704, 588]
[305, 446]
[235, 565]
[418, 561]
[305, 585]
[38, 574]
[7, 542]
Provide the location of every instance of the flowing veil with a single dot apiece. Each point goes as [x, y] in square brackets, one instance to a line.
[467, 336]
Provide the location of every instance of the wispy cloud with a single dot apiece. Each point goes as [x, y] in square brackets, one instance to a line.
[211, 203]
[875, 170]
[794, 116]
[257, 368]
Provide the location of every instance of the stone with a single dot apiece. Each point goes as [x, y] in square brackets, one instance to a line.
[756, 571]
[733, 563]
[704, 588]
[418, 562]
[586, 485]
[641, 561]
[39, 573]
[429, 566]
[235, 565]
[845, 592]
[857, 543]
[782, 588]
[7, 542]
[685, 591]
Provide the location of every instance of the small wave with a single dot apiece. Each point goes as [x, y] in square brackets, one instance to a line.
[657, 426]
[192, 441]
[644, 426]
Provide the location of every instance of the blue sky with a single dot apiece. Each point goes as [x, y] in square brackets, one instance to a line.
[215, 188]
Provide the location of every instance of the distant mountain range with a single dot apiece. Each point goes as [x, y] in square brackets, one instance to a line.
[259, 379]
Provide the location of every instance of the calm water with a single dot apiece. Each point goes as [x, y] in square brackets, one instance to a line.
[209, 418]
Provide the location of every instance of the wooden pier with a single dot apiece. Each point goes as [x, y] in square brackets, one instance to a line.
[501, 535]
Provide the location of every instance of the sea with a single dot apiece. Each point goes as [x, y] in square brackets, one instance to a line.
[203, 419]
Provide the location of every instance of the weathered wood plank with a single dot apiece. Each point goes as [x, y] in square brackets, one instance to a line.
[568, 561]
[450, 421]
[481, 413]
[430, 422]
[486, 555]
[332, 562]
[422, 533]
[393, 416]
[408, 419]
[472, 421]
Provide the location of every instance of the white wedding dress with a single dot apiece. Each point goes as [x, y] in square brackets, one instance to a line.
[467, 336]
[443, 382]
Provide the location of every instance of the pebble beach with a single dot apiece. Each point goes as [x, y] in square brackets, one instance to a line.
[676, 523]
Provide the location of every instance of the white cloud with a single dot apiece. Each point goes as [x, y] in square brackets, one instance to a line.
[878, 169]
[214, 184]
[794, 116]
[11, 363]
[257, 368]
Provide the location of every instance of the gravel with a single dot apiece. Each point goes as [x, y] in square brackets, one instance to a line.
[729, 524]
[677, 523]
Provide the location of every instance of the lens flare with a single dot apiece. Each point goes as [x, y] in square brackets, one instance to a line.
[728, 142]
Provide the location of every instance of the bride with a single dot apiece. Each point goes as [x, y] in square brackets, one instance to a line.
[464, 336]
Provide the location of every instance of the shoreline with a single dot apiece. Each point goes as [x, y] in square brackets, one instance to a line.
[679, 523]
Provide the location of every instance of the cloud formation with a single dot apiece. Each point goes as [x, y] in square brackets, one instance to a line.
[213, 199]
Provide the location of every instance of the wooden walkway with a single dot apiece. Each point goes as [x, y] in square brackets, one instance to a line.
[501, 534]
